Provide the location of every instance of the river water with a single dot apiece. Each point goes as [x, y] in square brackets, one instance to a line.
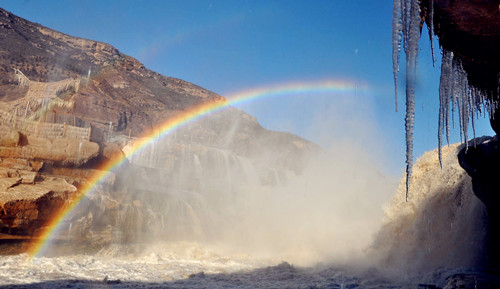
[181, 265]
[329, 237]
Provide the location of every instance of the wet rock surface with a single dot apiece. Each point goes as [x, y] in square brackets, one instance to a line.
[472, 281]
[481, 162]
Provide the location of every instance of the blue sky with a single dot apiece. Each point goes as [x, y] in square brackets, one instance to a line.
[230, 46]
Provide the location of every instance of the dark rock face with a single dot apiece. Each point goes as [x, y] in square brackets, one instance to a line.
[481, 162]
[472, 281]
[471, 29]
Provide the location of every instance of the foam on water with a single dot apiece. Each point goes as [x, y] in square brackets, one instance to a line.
[174, 265]
[159, 263]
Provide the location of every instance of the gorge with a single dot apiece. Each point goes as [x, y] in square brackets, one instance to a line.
[114, 175]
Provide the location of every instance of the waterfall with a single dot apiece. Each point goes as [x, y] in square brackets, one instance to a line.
[440, 229]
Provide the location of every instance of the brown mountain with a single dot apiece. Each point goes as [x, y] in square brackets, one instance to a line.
[120, 89]
[67, 104]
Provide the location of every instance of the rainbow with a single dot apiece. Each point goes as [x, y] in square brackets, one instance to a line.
[191, 115]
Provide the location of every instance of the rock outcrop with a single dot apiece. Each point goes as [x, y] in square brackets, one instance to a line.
[471, 29]
[41, 176]
[481, 162]
[32, 187]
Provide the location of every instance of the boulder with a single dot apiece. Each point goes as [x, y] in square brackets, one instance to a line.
[24, 206]
[60, 151]
[9, 137]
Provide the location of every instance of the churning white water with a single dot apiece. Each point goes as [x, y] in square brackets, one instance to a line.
[156, 264]
[315, 242]
[247, 237]
[175, 265]
[194, 217]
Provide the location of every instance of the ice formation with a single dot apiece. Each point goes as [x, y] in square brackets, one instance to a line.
[397, 30]
[454, 89]
[431, 30]
[406, 26]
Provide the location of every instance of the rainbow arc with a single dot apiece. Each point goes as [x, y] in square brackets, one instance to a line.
[330, 87]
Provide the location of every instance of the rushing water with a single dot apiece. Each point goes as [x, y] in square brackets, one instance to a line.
[321, 229]
[156, 264]
[177, 265]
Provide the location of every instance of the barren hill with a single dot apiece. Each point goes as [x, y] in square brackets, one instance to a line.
[119, 90]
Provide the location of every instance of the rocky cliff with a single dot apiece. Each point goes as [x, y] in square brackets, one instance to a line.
[69, 104]
[471, 29]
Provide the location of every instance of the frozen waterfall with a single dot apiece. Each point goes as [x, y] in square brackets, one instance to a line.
[454, 89]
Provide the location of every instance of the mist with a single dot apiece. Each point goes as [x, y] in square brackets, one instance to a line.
[226, 186]
[330, 211]
[328, 214]
[323, 207]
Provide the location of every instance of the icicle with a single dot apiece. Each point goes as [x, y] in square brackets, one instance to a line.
[444, 96]
[449, 120]
[460, 118]
[406, 26]
[431, 30]
[405, 13]
[498, 84]
[411, 74]
[454, 89]
[473, 112]
[397, 32]
[445, 82]
[460, 91]
[492, 110]
[465, 117]
[440, 128]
